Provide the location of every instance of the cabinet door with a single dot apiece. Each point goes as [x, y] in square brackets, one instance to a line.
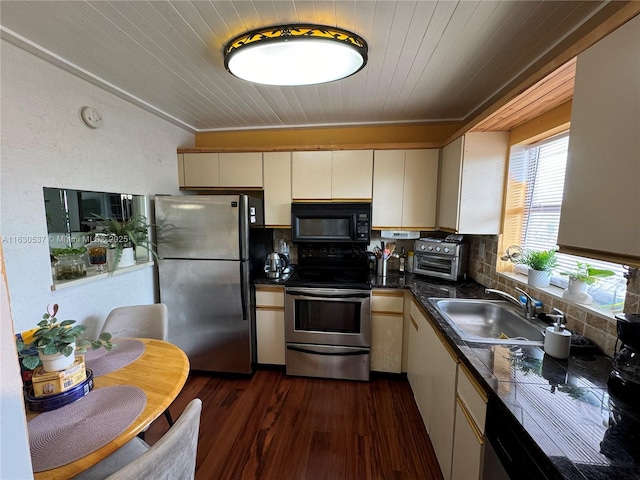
[449, 189]
[181, 170]
[482, 183]
[386, 342]
[201, 170]
[420, 189]
[468, 450]
[442, 372]
[270, 343]
[388, 188]
[420, 351]
[311, 175]
[241, 169]
[277, 189]
[352, 174]
[601, 196]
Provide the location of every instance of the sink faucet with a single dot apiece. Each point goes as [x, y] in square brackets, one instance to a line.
[528, 307]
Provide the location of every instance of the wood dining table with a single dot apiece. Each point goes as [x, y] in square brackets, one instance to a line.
[160, 372]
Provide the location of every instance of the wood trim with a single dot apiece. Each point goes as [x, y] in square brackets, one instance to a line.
[270, 308]
[386, 292]
[388, 313]
[282, 227]
[629, 260]
[306, 148]
[447, 229]
[475, 383]
[470, 421]
[413, 322]
[270, 288]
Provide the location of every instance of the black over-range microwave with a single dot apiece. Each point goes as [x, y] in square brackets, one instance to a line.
[344, 222]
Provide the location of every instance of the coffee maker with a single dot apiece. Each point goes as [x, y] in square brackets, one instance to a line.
[624, 378]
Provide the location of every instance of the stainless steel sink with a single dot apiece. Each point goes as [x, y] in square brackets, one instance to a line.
[489, 321]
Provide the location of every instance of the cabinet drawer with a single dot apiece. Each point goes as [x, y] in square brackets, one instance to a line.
[270, 297]
[387, 302]
[416, 313]
[475, 400]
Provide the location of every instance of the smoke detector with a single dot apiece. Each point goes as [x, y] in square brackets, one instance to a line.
[91, 117]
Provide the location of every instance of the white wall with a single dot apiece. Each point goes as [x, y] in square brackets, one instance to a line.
[15, 460]
[44, 143]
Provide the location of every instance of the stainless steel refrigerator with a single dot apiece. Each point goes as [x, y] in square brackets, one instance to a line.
[204, 268]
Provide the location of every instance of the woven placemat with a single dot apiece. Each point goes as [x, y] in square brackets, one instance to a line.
[103, 361]
[74, 431]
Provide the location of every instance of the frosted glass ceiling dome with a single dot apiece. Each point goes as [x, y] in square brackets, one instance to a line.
[295, 55]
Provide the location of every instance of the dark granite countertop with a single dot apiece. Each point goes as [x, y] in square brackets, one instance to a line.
[567, 419]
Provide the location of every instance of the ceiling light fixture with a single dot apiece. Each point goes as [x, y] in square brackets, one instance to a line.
[295, 55]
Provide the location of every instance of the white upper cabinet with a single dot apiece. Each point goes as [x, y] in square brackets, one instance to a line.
[277, 189]
[472, 183]
[211, 170]
[325, 175]
[601, 204]
[200, 170]
[241, 169]
[405, 189]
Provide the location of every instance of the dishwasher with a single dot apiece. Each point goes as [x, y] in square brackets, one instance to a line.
[506, 456]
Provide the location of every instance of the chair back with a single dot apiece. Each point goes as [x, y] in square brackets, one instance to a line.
[138, 321]
[173, 457]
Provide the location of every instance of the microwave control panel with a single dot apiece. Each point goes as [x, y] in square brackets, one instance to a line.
[363, 226]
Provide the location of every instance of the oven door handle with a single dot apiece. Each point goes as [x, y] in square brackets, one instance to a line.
[330, 354]
[327, 295]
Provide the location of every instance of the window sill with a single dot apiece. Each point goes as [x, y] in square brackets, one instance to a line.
[557, 292]
[94, 276]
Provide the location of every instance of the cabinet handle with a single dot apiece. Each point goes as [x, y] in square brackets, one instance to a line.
[413, 322]
[470, 421]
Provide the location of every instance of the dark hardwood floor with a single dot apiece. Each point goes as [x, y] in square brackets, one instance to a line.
[275, 427]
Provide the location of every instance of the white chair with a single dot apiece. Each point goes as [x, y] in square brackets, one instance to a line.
[138, 321]
[173, 457]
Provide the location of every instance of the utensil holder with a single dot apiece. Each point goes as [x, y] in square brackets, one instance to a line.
[381, 267]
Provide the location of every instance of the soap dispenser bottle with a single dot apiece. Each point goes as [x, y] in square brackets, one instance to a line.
[557, 340]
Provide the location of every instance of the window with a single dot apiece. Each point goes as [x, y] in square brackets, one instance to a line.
[536, 184]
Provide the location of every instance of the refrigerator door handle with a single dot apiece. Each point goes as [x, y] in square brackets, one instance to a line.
[243, 290]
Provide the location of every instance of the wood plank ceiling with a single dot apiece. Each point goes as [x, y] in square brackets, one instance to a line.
[429, 61]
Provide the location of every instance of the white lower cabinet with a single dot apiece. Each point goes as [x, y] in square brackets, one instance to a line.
[387, 317]
[468, 444]
[270, 342]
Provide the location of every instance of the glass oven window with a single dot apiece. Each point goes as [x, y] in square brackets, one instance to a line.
[433, 264]
[327, 316]
[328, 227]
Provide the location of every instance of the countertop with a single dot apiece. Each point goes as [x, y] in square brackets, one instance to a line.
[562, 409]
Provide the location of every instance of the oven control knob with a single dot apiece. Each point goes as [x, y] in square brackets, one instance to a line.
[422, 247]
[446, 250]
[430, 247]
[437, 249]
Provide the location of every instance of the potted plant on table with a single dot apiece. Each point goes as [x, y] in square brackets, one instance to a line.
[580, 278]
[124, 236]
[70, 262]
[540, 264]
[53, 343]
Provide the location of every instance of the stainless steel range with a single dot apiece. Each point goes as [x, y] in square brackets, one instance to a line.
[328, 313]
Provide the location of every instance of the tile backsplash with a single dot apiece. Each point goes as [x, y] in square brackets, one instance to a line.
[599, 328]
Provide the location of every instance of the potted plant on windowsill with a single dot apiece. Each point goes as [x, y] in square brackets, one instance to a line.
[54, 343]
[540, 264]
[124, 237]
[580, 278]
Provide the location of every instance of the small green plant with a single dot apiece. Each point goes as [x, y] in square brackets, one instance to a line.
[544, 260]
[127, 233]
[57, 337]
[587, 274]
[55, 252]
